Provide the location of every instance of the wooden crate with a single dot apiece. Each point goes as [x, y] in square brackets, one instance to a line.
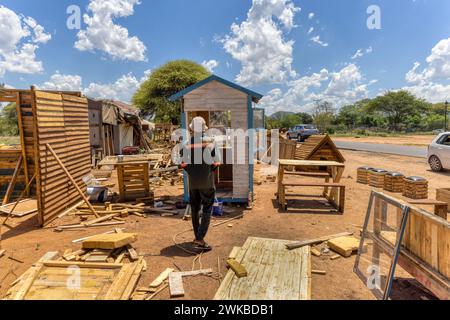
[394, 182]
[133, 181]
[443, 195]
[363, 175]
[415, 188]
[376, 178]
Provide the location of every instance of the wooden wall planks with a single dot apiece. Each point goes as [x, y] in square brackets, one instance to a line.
[62, 122]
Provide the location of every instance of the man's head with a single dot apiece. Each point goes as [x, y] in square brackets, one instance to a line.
[198, 125]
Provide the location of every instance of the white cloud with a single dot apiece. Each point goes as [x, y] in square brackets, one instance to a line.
[438, 65]
[122, 89]
[361, 52]
[310, 30]
[432, 92]
[210, 65]
[103, 35]
[340, 88]
[311, 15]
[317, 40]
[39, 34]
[259, 42]
[432, 82]
[60, 82]
[19, 41]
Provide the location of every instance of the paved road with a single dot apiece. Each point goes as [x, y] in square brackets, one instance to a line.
[411, 151]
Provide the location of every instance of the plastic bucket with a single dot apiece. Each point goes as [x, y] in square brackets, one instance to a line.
[217, 209]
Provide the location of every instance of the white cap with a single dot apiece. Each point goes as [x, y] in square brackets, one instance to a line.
[198, 125]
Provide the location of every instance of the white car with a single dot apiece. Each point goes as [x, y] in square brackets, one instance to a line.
[439, 152]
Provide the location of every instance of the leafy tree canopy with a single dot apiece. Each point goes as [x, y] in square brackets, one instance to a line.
[152, 96]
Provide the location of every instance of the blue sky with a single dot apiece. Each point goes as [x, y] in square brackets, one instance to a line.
[293, 51]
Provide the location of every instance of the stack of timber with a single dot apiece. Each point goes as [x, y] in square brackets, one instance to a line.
[443, 195]
[273, 272]
[103, 272]
[415, 188]
[111, 214]
[345, 246]
[106, 215]
[9, 157]
[376, 178]
[363, 174]
[394, 182]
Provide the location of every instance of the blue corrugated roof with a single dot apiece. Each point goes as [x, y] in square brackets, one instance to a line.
[255, 96]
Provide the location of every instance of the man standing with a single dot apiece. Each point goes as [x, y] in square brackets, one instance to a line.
[200, 162]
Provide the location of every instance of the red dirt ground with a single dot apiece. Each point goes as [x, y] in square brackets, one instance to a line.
[27, 243]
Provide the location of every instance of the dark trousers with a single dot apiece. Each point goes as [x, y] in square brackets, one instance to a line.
[199, 197]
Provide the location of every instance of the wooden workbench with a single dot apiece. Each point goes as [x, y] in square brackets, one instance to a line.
[333, 168]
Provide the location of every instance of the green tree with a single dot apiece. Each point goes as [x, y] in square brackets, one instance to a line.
[324, 115]
[398, 107]
[306, 118]
[152, 96]
[8, 121]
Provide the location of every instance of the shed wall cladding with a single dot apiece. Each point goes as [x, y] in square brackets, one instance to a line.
[62, 122]
[215, 96]
[27, 127]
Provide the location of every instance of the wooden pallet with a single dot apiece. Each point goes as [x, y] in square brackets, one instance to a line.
[133, 181]
[274, 273]
[23, 208]
[62, 280]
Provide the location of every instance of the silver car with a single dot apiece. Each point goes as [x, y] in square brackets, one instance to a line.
[439, 152]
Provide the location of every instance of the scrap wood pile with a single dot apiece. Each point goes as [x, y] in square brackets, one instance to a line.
[107, 267]
[111, 214]
[171, 279]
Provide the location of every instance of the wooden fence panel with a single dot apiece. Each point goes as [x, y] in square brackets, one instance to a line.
[62, 122]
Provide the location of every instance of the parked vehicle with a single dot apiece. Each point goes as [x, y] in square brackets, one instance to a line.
[302, 132]
[439, 152]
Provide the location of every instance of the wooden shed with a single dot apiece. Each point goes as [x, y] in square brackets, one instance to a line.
[319, 148]
[59, 120]
[224, 105]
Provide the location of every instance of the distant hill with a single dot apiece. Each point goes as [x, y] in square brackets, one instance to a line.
[281, 114]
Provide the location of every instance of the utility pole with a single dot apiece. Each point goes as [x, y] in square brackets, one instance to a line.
[446, 115]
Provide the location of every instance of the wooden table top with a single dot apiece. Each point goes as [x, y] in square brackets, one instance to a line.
[307, 163]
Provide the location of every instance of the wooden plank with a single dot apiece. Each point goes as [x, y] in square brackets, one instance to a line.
[32, 273]
[176, 281]
[109, 241]
[309, 242]
[161, 278]
[23, 208]
[13, 181]
[238, 268]
[234, 252]
[274, 273]
[345, 246]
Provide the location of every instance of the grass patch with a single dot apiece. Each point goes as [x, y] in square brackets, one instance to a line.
[8, 141]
